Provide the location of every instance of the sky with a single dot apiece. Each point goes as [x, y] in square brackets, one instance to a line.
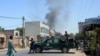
[36, 10]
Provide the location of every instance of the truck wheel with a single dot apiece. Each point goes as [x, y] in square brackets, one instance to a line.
[38, 50]
[64, 50]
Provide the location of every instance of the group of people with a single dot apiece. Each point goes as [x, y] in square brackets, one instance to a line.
[79, 44]
[11, 46]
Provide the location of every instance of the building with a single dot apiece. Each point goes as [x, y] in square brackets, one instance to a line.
[2, 40]
[89, 24]
[92, 23]
[36, 28]
[95, 20]
[15, 34]
[52, 32]
[81, 26]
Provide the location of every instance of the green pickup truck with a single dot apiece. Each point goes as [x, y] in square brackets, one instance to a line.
[54, 43]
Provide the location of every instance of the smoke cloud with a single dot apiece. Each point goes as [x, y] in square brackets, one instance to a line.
[57, 11]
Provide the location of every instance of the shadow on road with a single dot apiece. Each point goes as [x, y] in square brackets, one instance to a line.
[55, 53]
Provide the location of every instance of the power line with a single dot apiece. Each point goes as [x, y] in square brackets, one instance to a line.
[80, 9]
[12, 26]
[84, 8]
[89, 8]
[9, 17]
[23, 22]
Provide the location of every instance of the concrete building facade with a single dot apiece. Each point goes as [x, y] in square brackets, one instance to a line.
[81, 26]
[15, 34]
[36, 28]
[2, 40]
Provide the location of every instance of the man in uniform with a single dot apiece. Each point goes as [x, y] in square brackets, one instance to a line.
[66, 35]
[31, 45]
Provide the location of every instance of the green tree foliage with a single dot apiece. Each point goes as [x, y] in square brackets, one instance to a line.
[79, 36]
[20, 30]
[97, 30]
[93, 40]
[95, 36]
[1, 29]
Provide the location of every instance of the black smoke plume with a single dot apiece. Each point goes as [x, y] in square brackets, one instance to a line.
[56, 7]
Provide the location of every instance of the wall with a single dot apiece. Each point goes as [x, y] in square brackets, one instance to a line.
[32, 28]
[16, 41]
[4, 43]
[16, 33]
[9, 32]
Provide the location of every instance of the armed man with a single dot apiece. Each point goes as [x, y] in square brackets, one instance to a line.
[66, 35]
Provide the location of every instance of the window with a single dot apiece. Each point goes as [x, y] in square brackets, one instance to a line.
[16, 34]
[55, 40]
[49, 41]
[44, 30]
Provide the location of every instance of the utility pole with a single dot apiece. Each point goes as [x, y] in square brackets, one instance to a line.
[23, 36]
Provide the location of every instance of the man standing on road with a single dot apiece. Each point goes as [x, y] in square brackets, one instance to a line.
[10, 47]
[81, 45]
[66, 35]
[76, 44]
[31, 45]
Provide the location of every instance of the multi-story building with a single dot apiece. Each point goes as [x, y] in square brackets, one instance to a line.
[89, 24]
[36, 28]
[95, 20]
[81, 26]
[92, 23]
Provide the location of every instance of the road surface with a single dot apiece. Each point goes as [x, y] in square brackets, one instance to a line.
[24, 52]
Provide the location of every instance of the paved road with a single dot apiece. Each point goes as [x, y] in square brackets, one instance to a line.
[24, 52]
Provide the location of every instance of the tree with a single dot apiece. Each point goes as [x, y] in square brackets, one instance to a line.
[1, 29]
[95, 34]
[97, 30]
[20, 30]
[79, 36]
